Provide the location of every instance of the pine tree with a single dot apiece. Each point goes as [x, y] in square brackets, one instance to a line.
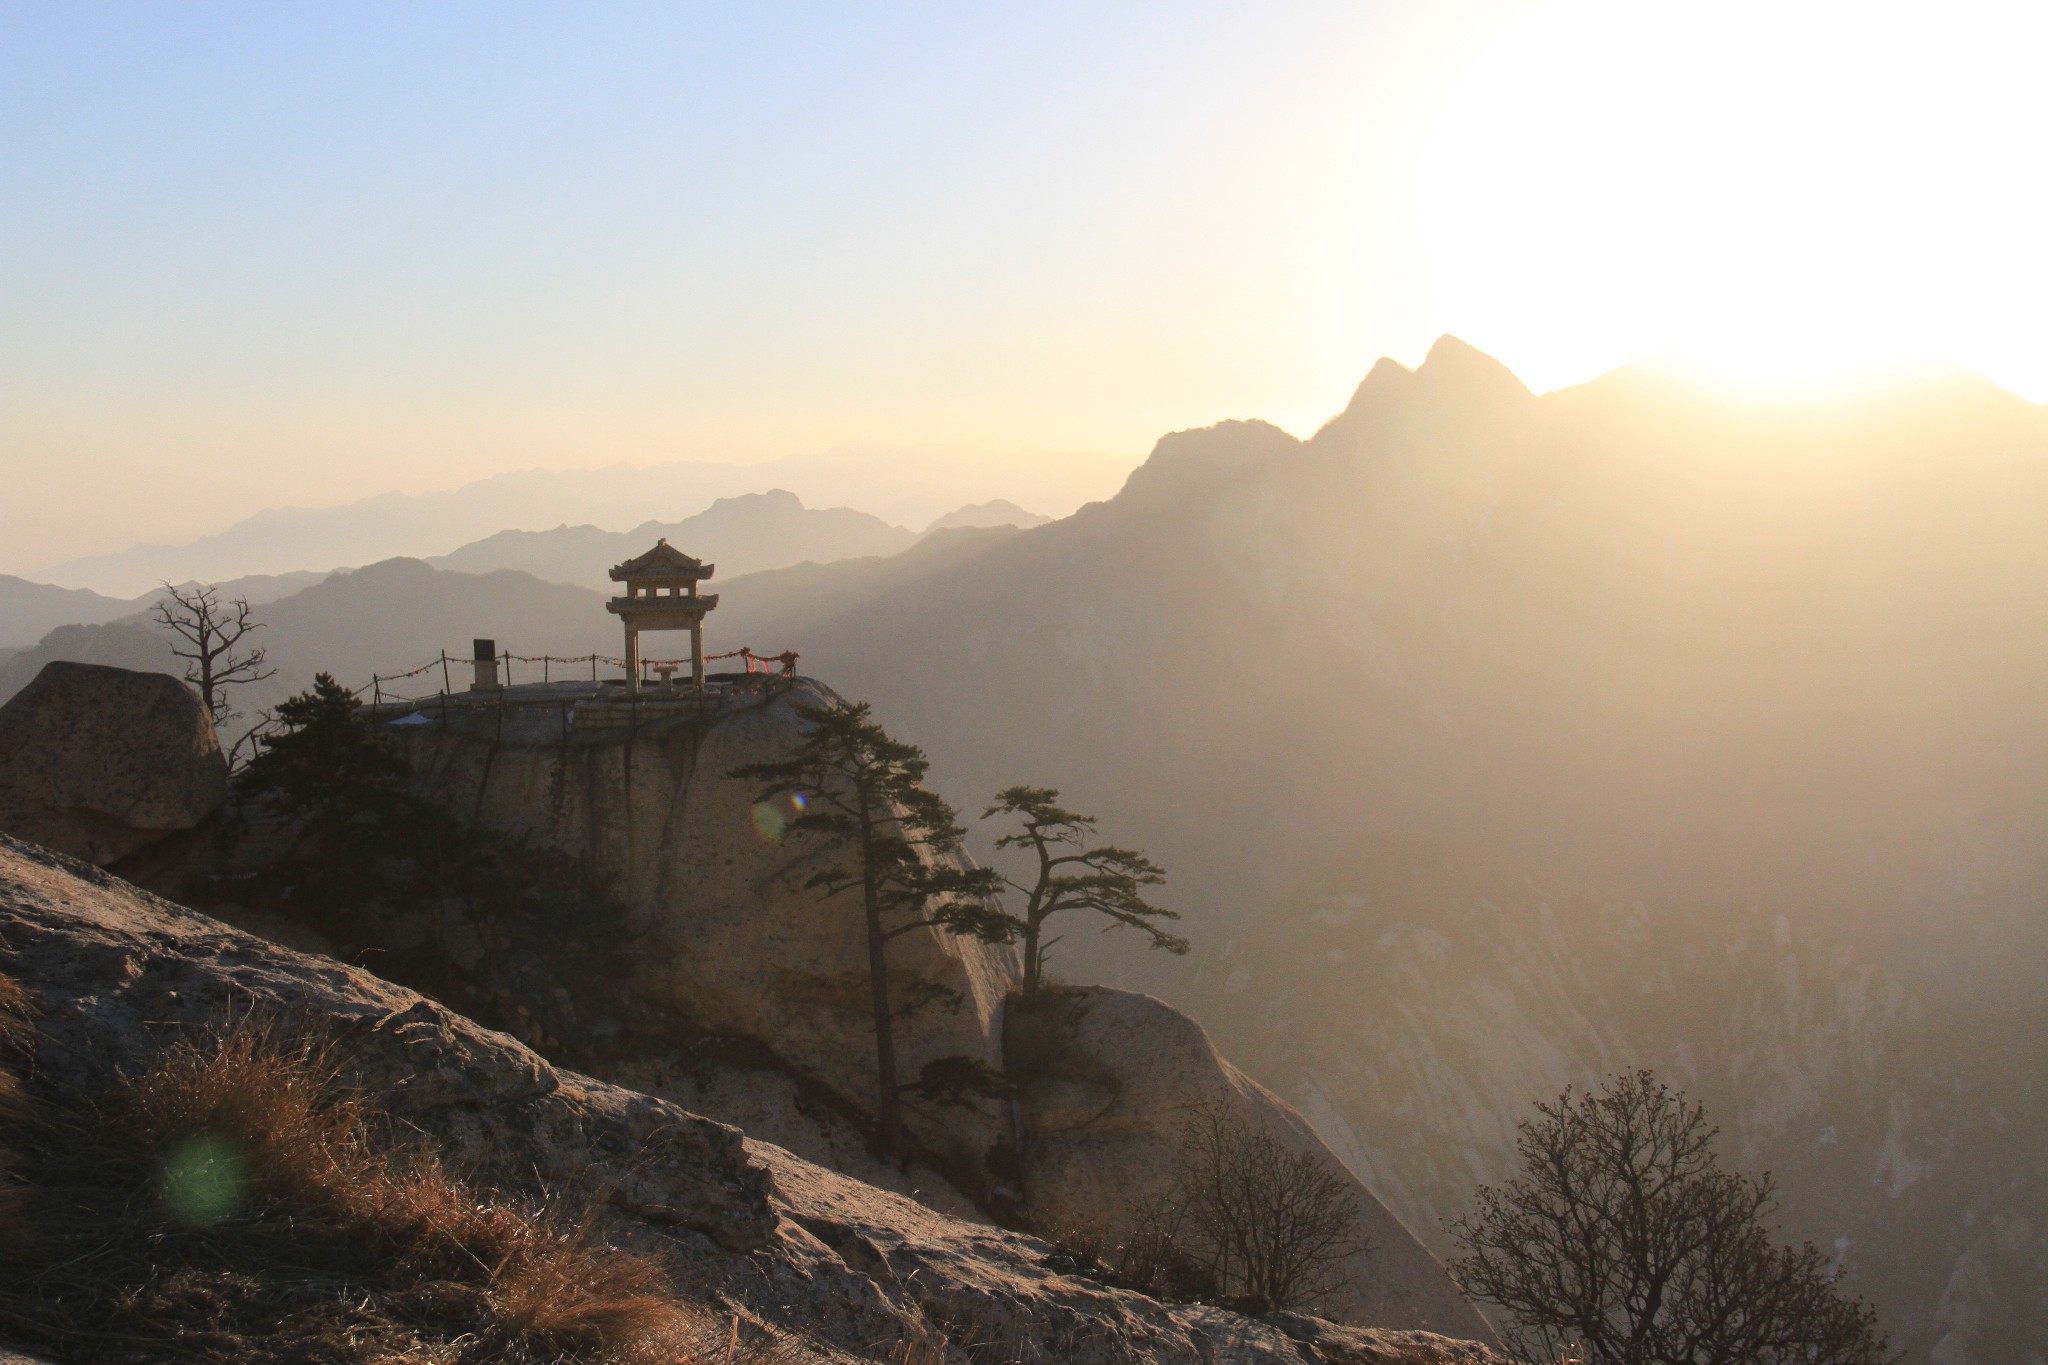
[326, 763]
[1072, 876]
[892, 846]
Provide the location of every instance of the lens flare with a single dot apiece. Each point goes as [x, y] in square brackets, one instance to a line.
[204, 1180]
[772, 817]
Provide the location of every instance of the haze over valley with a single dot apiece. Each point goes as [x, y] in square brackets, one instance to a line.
[883, 485]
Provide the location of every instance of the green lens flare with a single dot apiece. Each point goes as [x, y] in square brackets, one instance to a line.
[768, 821]
[204, 1179]
[772, 817]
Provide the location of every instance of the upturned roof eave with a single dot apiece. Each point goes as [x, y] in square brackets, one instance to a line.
[663, 563]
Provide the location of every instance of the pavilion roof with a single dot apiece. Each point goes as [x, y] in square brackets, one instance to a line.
[663, 561]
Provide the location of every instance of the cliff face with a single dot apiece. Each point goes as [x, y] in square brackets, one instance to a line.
[720, 927]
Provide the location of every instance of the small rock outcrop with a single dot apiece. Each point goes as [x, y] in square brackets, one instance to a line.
[1111, 1084]
[99, 762]
[787, 1250]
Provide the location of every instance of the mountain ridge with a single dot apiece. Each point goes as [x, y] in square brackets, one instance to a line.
[742, 534]
[905, 484]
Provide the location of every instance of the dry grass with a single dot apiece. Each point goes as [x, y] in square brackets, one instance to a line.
[237, 1202]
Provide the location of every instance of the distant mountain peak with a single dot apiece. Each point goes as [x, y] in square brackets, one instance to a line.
[1459, 362]
[1385, 379]
[778, 499]
[1455, 372]
[1185, 461]
[995, 512]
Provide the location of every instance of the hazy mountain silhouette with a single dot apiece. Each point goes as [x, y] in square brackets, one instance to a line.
[739, 535]
[1742, 706]
[28, 611]
[998, 512]
[902, 485]
[385, 618]
[1686, 644]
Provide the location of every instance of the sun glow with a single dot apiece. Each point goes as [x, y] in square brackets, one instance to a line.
[1790, 195]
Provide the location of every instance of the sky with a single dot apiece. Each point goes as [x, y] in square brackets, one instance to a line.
[298, 253]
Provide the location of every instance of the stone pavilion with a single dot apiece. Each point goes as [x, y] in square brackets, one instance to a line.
[661, 594]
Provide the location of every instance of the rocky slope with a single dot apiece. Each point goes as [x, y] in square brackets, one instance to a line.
[789, 1251]
[720, 929]
[1113, 1086]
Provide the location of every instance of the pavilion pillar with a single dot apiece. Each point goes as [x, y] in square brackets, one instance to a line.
[632, 660]
[697, 655]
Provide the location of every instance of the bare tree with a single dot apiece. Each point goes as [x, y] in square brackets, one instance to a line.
[1156, 1257]
[1274, 1226]
[208, 633]
[1071, 875]
[250, 742]
[1622, 1240]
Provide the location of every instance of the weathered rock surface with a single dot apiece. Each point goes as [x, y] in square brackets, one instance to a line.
[98, 762]
[781, 1244]
[1112, 1084]
[114, 970]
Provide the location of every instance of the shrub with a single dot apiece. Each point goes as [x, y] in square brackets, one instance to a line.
[1623, 1242]
[1274, 1227]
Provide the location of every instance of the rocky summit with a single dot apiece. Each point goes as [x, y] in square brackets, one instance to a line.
[712, 1003]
